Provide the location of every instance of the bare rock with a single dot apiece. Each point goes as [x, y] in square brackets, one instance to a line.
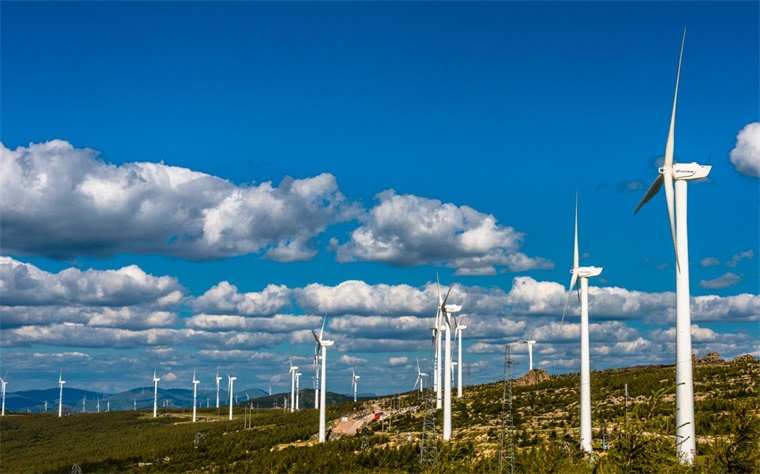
[533, 377]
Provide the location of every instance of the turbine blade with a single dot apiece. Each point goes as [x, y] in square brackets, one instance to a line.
[322, 331]
[669, 198]
[316, 338]
[447, 295]
[669, 145]
[576, 259]
[438, 284]
[651, 192]
[569, 294]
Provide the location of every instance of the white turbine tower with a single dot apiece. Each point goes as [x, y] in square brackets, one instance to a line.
[298, 388]
[458, 332]
[155, 394]
[317, 355]
[231, 385]
[420, 378]
[677, 174]
[60, 394]
[293, 371]
[445, 310]
[4, 381]
[195, 395]
[583, 274]
[354, 378]
[437, 342]
[217, 389]
[323, 345]
[530, 343]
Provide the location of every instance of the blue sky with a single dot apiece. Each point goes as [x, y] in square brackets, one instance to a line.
[195, 184]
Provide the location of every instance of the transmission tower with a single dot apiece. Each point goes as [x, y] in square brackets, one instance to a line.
[429, 439]
[507, 441]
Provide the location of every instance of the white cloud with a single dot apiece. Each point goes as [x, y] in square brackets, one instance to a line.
[281, 323]
[723, 281]
[358, 297]
[746, 154]
[709, 262]
[397, 361]
[224, 298]
[25, 284]
[351, 360]
[736, 258]
[407, 230]
[84, 206]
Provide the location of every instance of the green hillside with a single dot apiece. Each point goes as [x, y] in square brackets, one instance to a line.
[545, 416]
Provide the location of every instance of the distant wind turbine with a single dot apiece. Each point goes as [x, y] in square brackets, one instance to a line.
[583, 274]
[298, 389]
[323, 345]
[680, 173]
[293, 370]
[437, 356]
[317, 356]
[4, 381]
[420, 378]
[155, 394]
[354, 378]
[231, 385]
[458, 332]
[60, 394]
[195, 395]
[530, 343]
[217, 389]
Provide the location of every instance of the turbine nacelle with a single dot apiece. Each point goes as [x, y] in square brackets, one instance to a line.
[587, 272]
[688, 171]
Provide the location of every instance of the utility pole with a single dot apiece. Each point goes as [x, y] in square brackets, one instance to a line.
[507, 441]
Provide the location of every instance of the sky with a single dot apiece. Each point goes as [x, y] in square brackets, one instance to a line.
[194, 186]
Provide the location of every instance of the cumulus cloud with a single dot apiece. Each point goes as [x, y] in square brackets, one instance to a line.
[723, 281]
[60, 201]
[25, 284]
[225, 298]
[281, 323]
[358, 297]
[407, 230]
[397, 361]
[746, 154]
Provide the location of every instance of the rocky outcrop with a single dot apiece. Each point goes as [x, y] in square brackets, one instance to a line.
[533, 377]
[744, 359]
[710, 358]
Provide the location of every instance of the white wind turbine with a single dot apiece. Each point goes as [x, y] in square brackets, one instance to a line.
[420, 378]
[155, 394]
[677, 174]
[60, 394]
[298, 388]
[354, 378]
[583, 274]
[530, 343]
[293, 370]
[437, 346]
[4, 381]
[195, 395]
[445, 310]
[231, 385]
[217, 389]
[323, 345]
[458, 332]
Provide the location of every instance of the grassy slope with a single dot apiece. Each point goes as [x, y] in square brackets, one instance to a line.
[545, 416]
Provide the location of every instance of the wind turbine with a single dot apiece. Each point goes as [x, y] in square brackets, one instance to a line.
[530, 352]
[444, 311]
[420, 378]
[354, 378]
[4, 381]
[323, 345]
[582, 274]
[155, 394]
[458, 332]
[195, 395]
[317, 356]
[231, 385]
[217, 390]
[298, 389]
[677, 174]
[60, 394]
[293, 370]
[437, 341]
